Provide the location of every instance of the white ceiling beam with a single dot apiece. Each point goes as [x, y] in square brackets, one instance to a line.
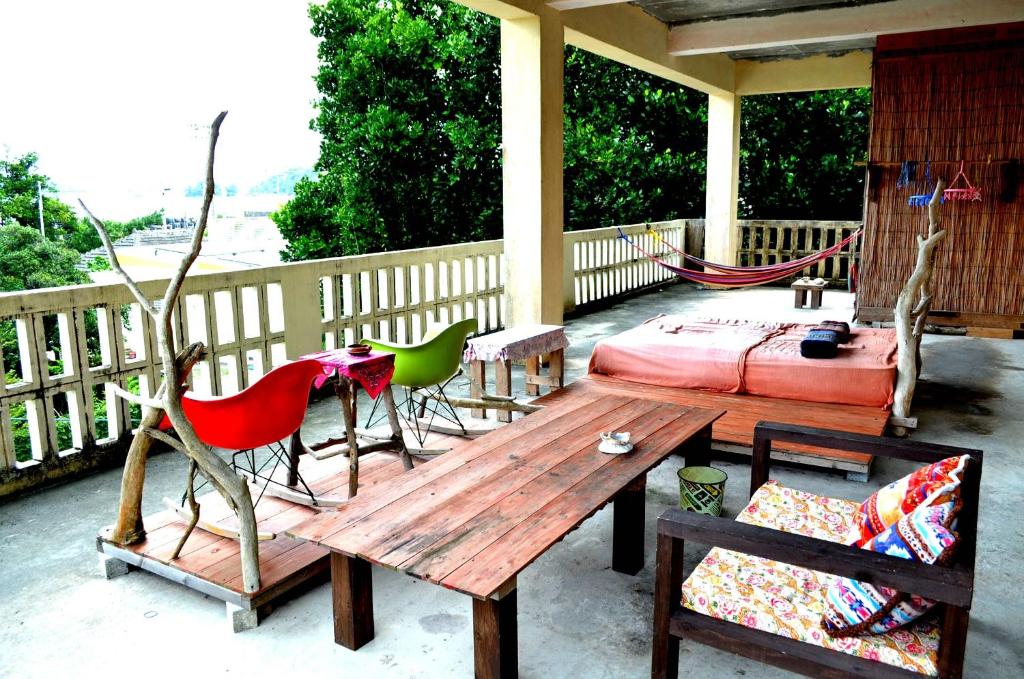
[844, 23]
[818, 72]
[626, 34]
[579, 4]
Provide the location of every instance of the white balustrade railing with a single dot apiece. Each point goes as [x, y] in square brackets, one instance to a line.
[58, 413]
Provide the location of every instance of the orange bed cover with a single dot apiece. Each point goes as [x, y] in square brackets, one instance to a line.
[750, 357]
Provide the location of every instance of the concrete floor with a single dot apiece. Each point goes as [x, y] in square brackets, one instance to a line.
[577, 617]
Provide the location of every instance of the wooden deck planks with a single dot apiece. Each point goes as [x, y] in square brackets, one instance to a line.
[744, 411]
[484, 574]
[486, 537]
[459, 520]
[490, 477]
[321, 529]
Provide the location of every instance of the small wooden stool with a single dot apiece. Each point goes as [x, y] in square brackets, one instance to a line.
[804, 285]
[523, 343]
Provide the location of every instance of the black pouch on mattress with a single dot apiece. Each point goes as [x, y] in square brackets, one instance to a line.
[840, 328]
[820, 344]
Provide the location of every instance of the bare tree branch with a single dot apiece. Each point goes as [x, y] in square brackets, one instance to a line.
[115, 263]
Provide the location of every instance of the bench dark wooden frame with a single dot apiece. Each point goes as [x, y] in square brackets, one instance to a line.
[952, 585]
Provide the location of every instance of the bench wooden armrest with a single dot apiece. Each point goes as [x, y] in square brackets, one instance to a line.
[953, 585]
[766, 433]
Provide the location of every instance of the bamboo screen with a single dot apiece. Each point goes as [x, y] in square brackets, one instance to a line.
[947, 107]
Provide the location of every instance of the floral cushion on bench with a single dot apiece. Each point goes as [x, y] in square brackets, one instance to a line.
[789, 601]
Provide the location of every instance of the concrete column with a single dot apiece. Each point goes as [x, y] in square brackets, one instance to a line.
[723, 174]
[532, 59]
[300, 290]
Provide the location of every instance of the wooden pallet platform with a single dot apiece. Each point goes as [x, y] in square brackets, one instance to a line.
[210, 564]
[734, 432]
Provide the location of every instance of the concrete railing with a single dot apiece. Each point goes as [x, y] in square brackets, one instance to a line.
[59, 416]
[604, 266]
[768, 242]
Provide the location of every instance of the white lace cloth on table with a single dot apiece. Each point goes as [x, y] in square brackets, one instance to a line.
[517, 343]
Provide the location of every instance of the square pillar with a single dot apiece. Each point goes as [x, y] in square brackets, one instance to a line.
[721, 238]
[532, 63]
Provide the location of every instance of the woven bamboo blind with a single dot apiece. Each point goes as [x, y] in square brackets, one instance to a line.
[947, 107]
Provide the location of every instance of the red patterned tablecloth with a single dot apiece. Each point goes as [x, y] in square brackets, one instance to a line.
[372, 371]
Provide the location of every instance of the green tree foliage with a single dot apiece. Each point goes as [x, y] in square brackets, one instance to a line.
[30, 262]
[634, 145]
[797, 155]
[410, 120]
[85, 237]
[19, 192]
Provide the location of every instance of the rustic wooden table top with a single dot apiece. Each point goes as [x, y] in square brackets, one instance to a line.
[475, 517]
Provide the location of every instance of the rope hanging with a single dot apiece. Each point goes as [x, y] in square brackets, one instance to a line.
[739, 276]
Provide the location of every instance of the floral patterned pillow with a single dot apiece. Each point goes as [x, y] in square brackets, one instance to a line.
[854, 607]
[935, 483]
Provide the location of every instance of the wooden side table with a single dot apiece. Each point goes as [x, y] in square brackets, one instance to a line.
[803, 286]
[523, 343]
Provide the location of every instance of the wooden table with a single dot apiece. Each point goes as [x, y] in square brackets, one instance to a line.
[373, 371]
[473, 519]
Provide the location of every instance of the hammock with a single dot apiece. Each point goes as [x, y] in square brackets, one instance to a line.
[739, 276]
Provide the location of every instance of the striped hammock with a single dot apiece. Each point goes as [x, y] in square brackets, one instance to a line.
[726, 276]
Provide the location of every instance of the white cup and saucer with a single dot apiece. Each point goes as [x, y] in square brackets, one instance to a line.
[615, 442]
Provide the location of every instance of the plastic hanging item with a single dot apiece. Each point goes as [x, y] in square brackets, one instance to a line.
[907, 174]
[922, 199]
[968, 193]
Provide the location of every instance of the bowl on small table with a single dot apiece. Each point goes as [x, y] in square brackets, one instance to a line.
[358, 349]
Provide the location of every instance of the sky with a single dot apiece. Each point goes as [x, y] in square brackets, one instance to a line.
[116, 97]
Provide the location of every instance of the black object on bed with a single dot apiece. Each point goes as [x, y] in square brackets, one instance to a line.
[841, 328]
[820, 344]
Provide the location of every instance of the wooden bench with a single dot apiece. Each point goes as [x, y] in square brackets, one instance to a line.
[950, 584]
[804, 286]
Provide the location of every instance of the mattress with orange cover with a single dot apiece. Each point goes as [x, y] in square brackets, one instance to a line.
[751, 357]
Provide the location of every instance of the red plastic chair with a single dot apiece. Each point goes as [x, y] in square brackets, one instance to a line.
[266, 412]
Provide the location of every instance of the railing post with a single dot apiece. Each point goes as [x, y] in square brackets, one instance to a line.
[303, 326]
[568, 274]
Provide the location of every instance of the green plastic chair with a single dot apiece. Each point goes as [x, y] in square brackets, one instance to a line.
[425, 369]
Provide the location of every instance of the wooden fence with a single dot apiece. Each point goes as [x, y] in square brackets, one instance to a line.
[769, 242]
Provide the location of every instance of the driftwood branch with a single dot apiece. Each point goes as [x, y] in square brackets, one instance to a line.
[135, 398]
[129, 529]
[232, 487]
[115, 263]
[911, 312]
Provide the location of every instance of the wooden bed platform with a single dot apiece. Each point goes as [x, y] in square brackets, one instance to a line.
[734, 432]
[210, 564]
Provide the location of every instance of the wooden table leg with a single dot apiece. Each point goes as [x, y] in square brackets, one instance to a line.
[628, 528]
[352, 594]
[532, 370]
[344, 391]
[477, 382]
[396, 426]
[294, 450]
[495, 637]
[556, 369]
[816, 299]
[798, 301]
[503, 387]
[697, 451]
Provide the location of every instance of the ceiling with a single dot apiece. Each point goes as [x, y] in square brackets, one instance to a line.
[675, 12]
